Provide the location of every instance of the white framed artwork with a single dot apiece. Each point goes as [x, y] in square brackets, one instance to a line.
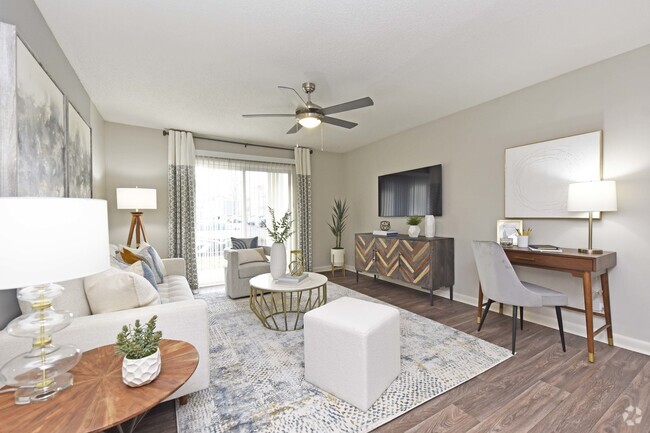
[537, 176]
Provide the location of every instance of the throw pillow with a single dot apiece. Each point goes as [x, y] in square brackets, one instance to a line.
[251, 255]
[129, 257]
[151, 256]
[138, 268]
[116, 290]
[243, 243]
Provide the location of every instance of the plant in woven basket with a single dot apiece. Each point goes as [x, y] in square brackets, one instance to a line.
[280, 230]
[137, 341]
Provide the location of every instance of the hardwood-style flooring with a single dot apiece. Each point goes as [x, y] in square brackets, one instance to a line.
[540, 390]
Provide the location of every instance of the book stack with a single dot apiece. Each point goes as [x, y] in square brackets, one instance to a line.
[545, 248]
[385, 232]
[291, 279]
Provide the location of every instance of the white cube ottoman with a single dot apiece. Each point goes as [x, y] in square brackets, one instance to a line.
[352, 349]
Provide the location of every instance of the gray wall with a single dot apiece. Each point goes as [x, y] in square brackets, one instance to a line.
[612, 95]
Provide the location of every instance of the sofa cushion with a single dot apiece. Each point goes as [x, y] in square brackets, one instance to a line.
[243, 243]
[73, 299]
[149, 254]
[116, 290]
[139, 268]
[175, 289]
[251, 255]
[250, 270]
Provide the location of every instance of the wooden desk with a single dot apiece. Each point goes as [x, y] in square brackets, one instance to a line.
[98, 399]
[579, 265]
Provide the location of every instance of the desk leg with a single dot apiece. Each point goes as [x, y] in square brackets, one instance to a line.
[480, 303]
[604, 282]
[589, 314]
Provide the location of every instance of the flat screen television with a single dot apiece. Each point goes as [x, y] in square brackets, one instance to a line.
[413, 192]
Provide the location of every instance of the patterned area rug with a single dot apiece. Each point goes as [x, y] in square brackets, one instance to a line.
[257, 375]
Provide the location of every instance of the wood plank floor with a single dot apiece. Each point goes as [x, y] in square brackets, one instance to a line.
[540, 390]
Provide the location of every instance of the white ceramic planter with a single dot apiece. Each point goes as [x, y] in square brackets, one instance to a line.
[278, 260]
[414, 231]
[338, 256]
[522, 241]
[429, 226]
[138, 372]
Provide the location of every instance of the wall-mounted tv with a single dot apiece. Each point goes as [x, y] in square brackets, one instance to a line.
[413, 192]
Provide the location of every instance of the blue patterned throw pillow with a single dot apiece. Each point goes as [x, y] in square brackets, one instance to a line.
[139, 268]
[244, 243]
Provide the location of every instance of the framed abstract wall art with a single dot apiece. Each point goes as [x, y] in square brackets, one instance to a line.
[78, 156]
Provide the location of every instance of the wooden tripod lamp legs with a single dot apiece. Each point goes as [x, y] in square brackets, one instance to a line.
[138, 227]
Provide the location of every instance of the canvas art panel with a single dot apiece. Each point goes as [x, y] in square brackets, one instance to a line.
[538, 175]
[40, 159]
[7, 110]
[78, 155]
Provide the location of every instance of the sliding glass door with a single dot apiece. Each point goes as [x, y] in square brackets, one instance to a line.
[232, 200]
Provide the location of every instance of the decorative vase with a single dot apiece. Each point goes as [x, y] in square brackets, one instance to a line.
[414, 231]
[278, 260]
[138, 372]
[522, 241]
[384, 225]
[338, 256]
[429, 226]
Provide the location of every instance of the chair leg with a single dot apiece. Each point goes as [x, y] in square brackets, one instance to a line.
[514, 327]
[521, 317]
[484, 315]
[558, 312]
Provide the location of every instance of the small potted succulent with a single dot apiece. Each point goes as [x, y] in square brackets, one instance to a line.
[414, 225]
[140, 347]
[337, 226]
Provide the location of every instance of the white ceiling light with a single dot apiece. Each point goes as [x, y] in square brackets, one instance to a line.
[309, 120]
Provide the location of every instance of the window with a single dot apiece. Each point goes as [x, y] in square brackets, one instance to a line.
[232, 200]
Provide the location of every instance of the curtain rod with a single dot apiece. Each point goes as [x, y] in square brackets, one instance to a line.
[241, 143]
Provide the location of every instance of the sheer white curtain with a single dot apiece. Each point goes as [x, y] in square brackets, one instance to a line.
[232, 200]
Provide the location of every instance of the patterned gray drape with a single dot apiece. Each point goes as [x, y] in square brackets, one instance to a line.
[182, 201]
[303, 204]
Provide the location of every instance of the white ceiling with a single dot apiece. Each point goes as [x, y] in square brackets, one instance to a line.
[199, 65]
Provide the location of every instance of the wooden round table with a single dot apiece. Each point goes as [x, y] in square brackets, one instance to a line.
[98, 399]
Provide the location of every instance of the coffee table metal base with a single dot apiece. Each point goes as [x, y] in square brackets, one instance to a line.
[283, 311]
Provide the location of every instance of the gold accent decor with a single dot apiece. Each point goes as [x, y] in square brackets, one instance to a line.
[296, 267]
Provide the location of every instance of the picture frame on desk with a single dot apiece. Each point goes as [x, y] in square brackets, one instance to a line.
[508, 229]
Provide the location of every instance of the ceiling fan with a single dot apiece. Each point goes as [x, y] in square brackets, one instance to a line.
[310, 115]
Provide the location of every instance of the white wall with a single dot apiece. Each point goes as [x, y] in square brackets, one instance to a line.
[613, 95]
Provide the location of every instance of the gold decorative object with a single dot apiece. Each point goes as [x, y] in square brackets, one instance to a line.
[296, 267]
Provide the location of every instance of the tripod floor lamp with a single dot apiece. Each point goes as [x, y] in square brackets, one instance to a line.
[136, 199]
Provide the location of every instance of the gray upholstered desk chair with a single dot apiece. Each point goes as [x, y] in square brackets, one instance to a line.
[501, 284]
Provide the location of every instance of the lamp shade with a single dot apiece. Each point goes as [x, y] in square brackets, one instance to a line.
[47, 240]
[598, 196]
[136, 198]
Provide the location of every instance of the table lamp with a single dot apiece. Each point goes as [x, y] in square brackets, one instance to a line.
[36, 234]
[136, 198]
[596, 196]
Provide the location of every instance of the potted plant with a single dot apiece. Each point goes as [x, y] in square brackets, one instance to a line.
[279, 231]
[140, 347]
[414, 225]
[337, 226]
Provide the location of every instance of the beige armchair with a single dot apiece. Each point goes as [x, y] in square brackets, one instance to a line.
[239, 275]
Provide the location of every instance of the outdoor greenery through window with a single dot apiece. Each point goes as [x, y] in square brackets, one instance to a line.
[232, 200]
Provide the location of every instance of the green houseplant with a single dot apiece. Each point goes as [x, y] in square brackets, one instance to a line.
[279, 231]
[339, 216]
[414, 225]
[140, 346]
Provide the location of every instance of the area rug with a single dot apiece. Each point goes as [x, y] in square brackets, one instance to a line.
[257, 380]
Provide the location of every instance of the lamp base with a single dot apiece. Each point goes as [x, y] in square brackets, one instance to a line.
[27, 395]
[590, 251]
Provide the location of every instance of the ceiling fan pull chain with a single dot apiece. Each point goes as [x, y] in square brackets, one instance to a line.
[322, 128]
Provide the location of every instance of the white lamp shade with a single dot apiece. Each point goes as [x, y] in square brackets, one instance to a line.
[136, 198]
[598, 196]
[48, 240]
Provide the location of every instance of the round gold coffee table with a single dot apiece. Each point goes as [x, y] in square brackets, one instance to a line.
[281, 306]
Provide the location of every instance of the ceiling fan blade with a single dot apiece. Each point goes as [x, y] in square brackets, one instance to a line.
[339, 122]
[347, 106]
[268, 115]
[304, 103]
[297, 127]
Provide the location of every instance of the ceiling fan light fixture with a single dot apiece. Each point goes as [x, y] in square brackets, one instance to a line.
[309, 120]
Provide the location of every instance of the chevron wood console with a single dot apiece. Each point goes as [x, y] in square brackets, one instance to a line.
[424, 262]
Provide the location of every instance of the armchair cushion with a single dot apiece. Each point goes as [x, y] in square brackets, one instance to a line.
[250, 270]
[251, 255]
[243, 243]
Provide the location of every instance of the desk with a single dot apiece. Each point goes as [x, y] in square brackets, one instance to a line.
[98, 399]
[579, 265]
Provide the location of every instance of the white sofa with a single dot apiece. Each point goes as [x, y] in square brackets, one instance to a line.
[180, 317]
